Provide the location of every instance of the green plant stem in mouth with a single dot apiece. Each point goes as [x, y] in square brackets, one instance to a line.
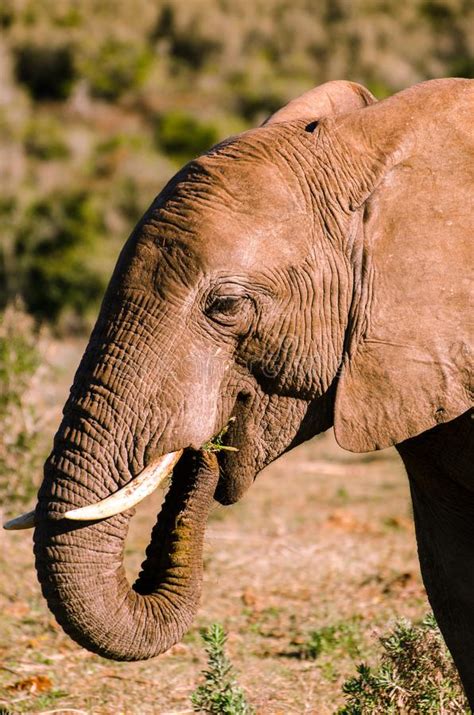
[216, 443]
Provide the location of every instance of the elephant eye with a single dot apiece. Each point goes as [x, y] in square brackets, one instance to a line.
[226, 309]
[226, 304]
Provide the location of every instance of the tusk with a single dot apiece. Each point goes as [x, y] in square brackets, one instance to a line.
[131, 494]
[25, 521]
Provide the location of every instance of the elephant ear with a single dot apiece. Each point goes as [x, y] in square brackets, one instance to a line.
[409, 367]
[328, 100]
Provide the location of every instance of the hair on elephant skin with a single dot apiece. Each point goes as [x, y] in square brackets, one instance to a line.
[308, 273]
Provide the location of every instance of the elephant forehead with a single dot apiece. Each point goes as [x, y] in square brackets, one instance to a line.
[238, 213]
[245, 240]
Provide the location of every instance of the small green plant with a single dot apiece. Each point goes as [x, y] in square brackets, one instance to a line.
[216, 443]
[415, 674]
[219, 693]
[343, 636]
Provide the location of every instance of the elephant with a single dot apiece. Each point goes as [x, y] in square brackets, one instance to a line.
[305, 274]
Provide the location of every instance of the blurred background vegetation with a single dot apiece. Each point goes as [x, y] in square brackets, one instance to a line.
[101, 101]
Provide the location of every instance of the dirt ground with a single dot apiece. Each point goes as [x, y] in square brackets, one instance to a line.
[324, 538]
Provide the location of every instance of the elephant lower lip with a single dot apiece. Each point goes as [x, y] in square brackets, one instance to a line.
[234, 479]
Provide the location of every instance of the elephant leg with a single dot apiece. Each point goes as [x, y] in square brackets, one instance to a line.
[439, 463]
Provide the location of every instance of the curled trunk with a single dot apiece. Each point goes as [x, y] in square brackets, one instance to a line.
[80, 567]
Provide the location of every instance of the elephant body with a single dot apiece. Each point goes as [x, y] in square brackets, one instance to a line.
[304, 274]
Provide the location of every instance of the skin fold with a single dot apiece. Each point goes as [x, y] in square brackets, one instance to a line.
[304, 274]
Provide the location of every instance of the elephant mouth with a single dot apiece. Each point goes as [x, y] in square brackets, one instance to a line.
[237, 469]
[229, 488]
[158, 474]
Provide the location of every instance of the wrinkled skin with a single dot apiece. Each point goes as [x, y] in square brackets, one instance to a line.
[304, 274]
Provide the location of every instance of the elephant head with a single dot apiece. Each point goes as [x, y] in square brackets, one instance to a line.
[294, 277]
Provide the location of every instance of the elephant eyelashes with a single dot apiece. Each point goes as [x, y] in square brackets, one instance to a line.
[227, 309]
[229, 305]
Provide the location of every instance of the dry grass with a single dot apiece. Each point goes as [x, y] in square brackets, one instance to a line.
[324, 538]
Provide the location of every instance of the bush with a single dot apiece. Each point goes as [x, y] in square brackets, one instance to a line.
[436, 12]
[415, 674]
[255, 105]
[48, 72]
[111, 153]
[115, 68]
[21, 452]
[188, 42]
[182, 136]
[7, 16]
[49, 257]
[462, 67]
[130, 201]
[219, 693]
[43, 139]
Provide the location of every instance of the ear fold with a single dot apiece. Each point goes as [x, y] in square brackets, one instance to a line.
[411, 368]
[328, 100]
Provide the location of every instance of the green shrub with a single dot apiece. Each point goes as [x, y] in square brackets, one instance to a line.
[67, 17]
[255, 105]
[109, 154]
[44, 140]
[436, 12]
[10, 278]
[50, 252]
[7, 16]
[188, 42]
[219, 693]
[182, 136]
[415, 674]
[462, 66]
[116, 67]
[130, 201]
[47, 71]
[21, 451]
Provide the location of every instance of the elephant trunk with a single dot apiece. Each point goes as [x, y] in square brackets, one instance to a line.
[80, 566]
